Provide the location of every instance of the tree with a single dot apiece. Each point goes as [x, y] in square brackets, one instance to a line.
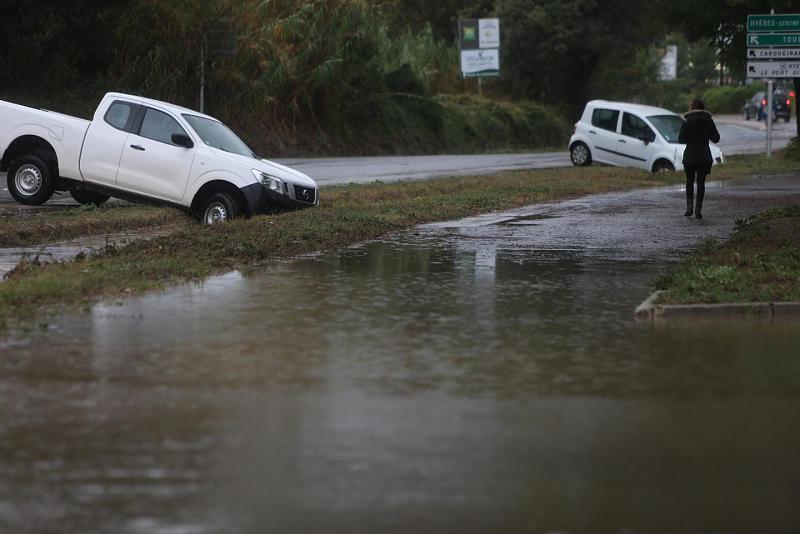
[555, 50]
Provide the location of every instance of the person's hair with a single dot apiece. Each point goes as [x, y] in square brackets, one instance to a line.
[697, 104]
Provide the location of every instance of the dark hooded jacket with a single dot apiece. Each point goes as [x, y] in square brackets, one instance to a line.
[697, 130]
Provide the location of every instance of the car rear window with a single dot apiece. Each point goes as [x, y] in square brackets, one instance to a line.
[605, 119]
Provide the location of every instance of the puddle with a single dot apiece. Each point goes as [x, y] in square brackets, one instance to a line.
[483, 378]
[69, 249]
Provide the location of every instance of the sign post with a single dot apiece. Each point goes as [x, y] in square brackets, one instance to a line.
[773, 51]
[479, 44]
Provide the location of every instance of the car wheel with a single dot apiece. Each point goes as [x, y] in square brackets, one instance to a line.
[663, 165]
[219, 207]
[580, 154]
[82, 195]
[30, 180]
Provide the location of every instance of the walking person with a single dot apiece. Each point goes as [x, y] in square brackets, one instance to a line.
[697, 130]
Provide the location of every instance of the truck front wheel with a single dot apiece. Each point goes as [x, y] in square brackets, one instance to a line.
[219, 207]
[30, 180]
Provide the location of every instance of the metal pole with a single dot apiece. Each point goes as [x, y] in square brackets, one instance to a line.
[480, 86]
[769, 118]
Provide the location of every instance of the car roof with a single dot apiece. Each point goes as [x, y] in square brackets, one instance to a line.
[627, 106]
[158, 103]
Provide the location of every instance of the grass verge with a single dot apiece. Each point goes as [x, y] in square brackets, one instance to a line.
[348, 214]
[760, 262]
[23, 227]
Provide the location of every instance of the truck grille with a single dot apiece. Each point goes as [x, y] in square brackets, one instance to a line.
[305, 194]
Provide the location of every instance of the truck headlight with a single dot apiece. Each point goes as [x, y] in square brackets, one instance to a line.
[269, 181]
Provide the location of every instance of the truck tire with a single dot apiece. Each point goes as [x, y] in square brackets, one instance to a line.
[30, 180]
[217, 208]
[83, 195]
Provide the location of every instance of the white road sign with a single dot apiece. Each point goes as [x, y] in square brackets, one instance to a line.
[755, 54]
[489, 30]
[480, 62]
[773, 69]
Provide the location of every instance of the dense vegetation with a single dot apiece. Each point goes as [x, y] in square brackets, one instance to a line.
[363, 76]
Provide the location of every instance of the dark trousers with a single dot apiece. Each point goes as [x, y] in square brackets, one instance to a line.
[696, 172]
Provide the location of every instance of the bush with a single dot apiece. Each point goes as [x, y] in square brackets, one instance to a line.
[792, 151]
[729, 98]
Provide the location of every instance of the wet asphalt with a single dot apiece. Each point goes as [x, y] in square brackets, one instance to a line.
[738, 137]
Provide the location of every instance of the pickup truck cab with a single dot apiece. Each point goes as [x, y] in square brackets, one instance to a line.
[144, 150]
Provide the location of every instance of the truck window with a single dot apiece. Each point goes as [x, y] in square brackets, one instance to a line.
[605, 119]
[120, 115]
[159, 126]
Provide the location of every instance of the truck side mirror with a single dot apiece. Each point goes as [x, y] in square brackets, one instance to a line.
[182, 140]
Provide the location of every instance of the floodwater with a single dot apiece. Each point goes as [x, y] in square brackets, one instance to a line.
[479, 376]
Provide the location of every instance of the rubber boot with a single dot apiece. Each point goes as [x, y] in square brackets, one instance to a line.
[698, 209]
[689, 211]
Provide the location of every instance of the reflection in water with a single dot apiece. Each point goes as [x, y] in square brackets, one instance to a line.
[421, 384]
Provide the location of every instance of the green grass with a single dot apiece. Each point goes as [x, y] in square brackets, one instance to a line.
[760, 262]
[347, 214]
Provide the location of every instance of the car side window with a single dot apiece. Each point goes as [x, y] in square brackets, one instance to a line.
[605, 119]
[121, 115]
[159, 126]
[633, 126]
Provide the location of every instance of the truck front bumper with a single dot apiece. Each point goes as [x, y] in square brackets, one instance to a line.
[260, 199]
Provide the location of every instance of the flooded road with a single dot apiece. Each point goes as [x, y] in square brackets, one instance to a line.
[477, 376]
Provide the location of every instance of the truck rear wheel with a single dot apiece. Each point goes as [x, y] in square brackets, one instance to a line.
[30, 180]
[82, 195]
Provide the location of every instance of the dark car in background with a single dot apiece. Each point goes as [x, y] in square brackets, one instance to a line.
[756, 108]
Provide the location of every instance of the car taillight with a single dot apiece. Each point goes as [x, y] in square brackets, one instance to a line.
[574, 128]
[764, 102]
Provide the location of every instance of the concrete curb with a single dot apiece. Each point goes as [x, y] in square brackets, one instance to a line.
[760, 311]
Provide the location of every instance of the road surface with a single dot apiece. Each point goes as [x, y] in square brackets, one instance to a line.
[738, 137]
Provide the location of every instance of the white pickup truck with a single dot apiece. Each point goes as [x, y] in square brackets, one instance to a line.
[144, 150]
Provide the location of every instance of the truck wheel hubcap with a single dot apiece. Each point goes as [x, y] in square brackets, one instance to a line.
[215, 213]
[28, 180]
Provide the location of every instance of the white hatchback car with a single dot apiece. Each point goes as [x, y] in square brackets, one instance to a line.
[630, 135]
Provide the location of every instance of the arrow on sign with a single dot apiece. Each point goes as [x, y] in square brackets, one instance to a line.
[752, 53]
[752, 70]
[754, 40]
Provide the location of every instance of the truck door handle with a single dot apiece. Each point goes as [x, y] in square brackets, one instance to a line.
[137, 147]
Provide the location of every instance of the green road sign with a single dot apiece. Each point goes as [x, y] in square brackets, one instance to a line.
[773, 39]
[773, 23]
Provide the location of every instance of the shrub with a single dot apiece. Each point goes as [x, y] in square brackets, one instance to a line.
[729, 98]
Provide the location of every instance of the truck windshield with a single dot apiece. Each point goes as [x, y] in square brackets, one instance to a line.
[217, 135]
[667, 125]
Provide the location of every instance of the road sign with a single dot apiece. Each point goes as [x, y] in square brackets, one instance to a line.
[479, 42]
[773, 39]
[772, 54]
[773, 23]
[476, 63]
[773, 69]
[489, 33]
